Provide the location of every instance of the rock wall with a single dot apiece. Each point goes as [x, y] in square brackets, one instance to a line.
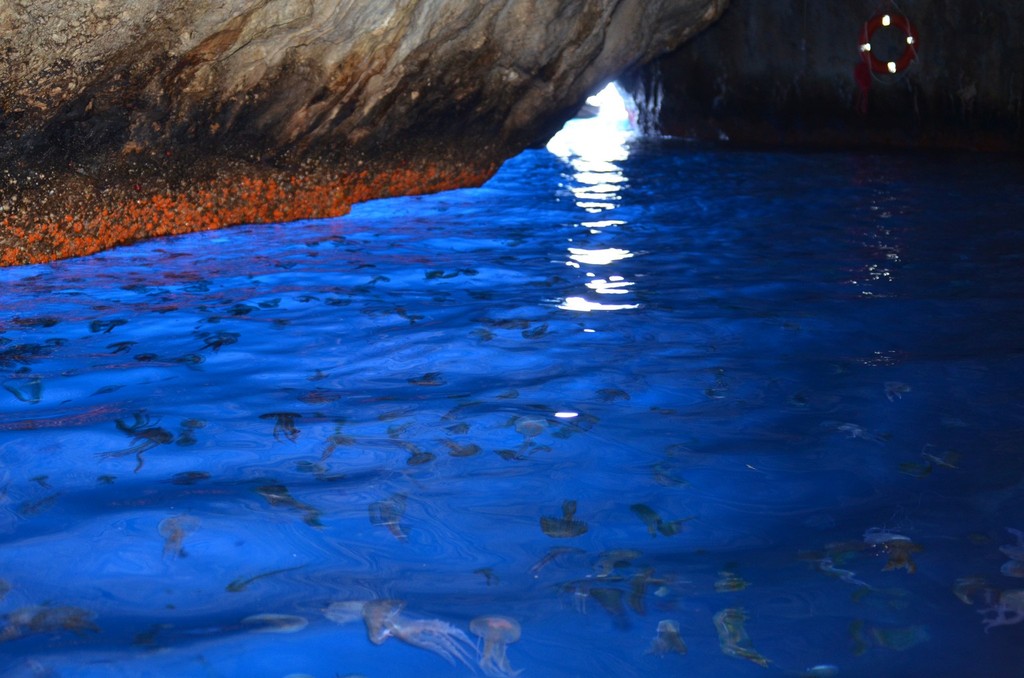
[124, 119]
[785, 73]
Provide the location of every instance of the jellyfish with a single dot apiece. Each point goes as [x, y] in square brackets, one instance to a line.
[389, 514]
[611, 600]
[274, 623]
[530, 427]
[900, 552]
[459, 450]
[1014, 551]
[384, 619]
[609, 561]
[566, 526]
[730, 581]
[284, 425]
[966, 588]
[1008, 609]
[278, 495]
[649, 516]
[1013, 568]
[894, 390]
[733, 638]
[46, 619]
[667, 639]
[145, 436]
[174, 530]
[345, 611]
[497, 632]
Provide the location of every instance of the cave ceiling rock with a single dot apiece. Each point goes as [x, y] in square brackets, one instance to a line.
[301, 71]
[124, 119]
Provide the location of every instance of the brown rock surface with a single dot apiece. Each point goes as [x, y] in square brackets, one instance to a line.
[125, 119]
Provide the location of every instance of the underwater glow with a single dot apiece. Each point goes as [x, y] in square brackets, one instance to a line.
[414, 442]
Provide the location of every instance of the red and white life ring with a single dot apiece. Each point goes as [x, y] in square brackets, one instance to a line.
[885, 21]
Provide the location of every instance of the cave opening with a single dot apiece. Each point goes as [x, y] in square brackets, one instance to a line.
[602, 127]
[609, 103]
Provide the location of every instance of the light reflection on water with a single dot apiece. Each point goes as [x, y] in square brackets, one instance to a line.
[594, 149]
[413, 403]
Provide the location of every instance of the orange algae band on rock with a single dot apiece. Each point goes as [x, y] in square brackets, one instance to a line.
[217, 204]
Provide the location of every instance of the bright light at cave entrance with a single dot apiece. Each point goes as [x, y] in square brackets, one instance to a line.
[610, 105]
[600, 131]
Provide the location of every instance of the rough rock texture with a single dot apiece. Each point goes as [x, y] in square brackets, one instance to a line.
[122, 119]
[783, 73]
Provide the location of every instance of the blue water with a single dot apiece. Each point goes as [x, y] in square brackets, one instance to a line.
[621, 383]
